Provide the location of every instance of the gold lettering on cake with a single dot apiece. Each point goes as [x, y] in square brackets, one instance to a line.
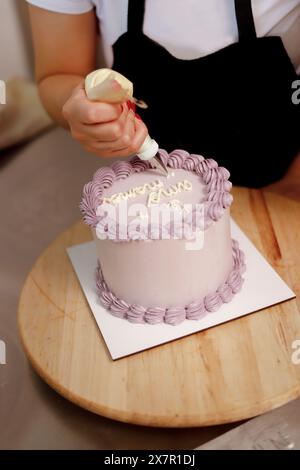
[133, 192]
[155, 196]
[175, 204]
[155, 189]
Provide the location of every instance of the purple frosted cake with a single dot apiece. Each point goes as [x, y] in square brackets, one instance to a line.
[164, 248]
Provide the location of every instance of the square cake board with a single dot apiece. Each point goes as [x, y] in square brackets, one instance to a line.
[262, 288]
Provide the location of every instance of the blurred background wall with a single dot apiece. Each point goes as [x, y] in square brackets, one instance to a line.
[15, 44]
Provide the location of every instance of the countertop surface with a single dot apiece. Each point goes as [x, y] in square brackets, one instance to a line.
[40, 187]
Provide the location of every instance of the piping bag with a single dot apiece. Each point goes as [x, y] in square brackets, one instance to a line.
[101, 85]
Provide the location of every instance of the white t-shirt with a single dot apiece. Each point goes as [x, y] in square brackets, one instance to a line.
[189, 29]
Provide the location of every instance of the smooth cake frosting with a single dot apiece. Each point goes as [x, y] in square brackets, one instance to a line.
[174, 315]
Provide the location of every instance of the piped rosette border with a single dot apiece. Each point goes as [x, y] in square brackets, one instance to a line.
[217, 196]
[174, 315]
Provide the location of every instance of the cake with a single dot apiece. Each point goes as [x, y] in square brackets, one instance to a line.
[164, 246]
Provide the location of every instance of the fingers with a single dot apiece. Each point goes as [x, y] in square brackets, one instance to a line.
[79, 110]
[135, 133]
[124, 138]
[86, 112]
[95, 113]
[106, 130]
[141, 133]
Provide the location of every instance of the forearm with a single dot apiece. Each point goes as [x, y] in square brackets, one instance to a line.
[54, 92]
[65, 52]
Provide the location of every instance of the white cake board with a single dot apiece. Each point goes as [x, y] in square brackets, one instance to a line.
[262, 288]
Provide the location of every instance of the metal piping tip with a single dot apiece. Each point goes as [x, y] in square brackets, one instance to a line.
[159, 164]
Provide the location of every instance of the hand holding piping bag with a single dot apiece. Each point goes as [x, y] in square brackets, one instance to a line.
[111, 87]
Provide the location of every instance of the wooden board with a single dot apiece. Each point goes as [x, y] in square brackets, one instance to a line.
[228, 373]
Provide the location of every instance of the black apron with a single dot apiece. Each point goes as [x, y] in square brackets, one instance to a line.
[233, 105]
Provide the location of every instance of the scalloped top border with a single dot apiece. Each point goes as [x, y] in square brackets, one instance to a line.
[216, 179]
